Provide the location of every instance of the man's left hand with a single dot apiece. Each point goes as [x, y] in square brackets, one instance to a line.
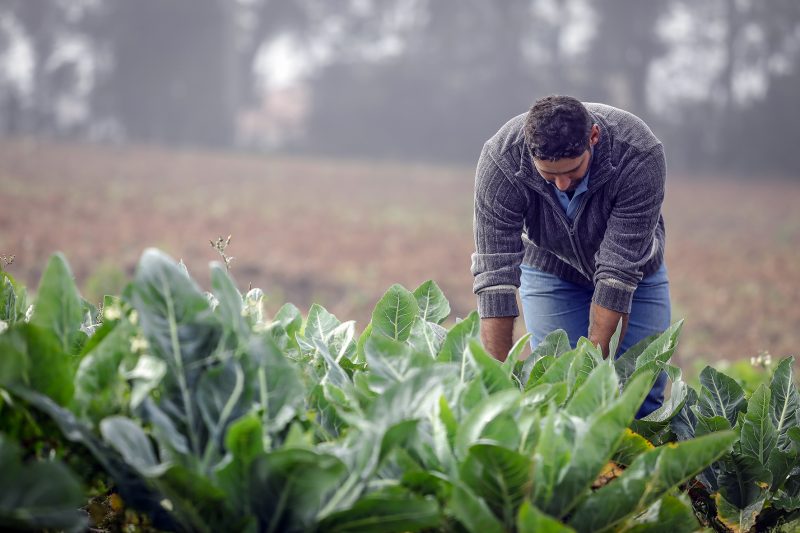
[602, 325]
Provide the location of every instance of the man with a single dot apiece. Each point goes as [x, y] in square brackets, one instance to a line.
[568, 210]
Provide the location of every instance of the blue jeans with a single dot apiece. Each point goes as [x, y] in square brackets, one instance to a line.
[550, 303]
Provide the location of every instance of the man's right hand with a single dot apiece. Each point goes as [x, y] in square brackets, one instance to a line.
[497, 335]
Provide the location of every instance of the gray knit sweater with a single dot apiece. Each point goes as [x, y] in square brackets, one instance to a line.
[616, 238]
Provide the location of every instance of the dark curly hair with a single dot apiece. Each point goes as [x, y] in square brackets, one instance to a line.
[557, 127]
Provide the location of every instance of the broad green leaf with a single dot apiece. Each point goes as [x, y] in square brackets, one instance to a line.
[38, 495]
[415, 397]
[290, 321]
[503, 431]
[758, 434]
[719, 395]
[244, 444]
[280, 391]
[342, 342]
[388, 358]
[477, 419]
[458, 338]
[432, 304]
[556, 372]
[532, 520]
[490, 369]
[500, 477]
[625, 364]
[743, 480]
[551, 457]
[13, 299]
[597, 392]
[613, 343]
[662, 347]
[594, 446]
[144, 378]
[199, 504]
[100, 386]
[785, 502]
[553, 345]
[588, 358]
[33, 356]
[683, 424]
[706, 425]
[632, 446]
[785, 403]
[320, 324]
[230, 301]
[670, 514]
[181, 330]
[59, 307]
[427, 337]
[472, 512]
[780, 463]
[395, 313]
[289, 488]
[651, 475]
[362, 343]
[657, 421]
[388, 510]
[129, 439]
[737, 519]
[219, 398]
[513, 355]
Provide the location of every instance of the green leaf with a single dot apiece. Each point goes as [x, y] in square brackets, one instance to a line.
[556, 372]
[719, 395]
[532, 520]
[780, 463]
[362, 343]
[219, 398]
[100, 386]
[657, 421]
[478, 418]
[472, 512]
[280, 391]
[432, 304]
[670, 514]
[758, 434]
[785, 404]
[587, 358]
[650, 477]
[738, 520]
[499, 476]
[490, 369]
[513, 355]
[33, 356]
[181, 330]
[552, 456]
[683, 424]
[244, 444]
[38, 495]
[13, 299]
[706, 425]
[320, 324]
[427, 338]
[395, 313]
[388, 358]
[290, 321]
[59, 307]
[662, 347]
[230, 300]
[128, 438]
[389, 510]
[632, 446]
[625, 364]
[289, 487]
[458, 338]
[553, 345]
[594, 446]
[597, 392]
[743, 480]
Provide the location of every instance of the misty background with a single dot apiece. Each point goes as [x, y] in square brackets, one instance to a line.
[425, 80]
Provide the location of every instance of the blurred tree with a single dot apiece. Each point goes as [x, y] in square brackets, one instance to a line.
[175, 70]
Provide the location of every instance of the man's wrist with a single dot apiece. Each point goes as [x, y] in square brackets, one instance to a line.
[497, 335]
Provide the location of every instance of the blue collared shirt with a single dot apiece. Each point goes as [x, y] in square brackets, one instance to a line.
[570, 206]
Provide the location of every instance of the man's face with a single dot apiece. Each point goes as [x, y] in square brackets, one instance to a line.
[566, 174]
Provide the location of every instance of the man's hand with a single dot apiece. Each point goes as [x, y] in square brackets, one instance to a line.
[497, 335]
[602, 325]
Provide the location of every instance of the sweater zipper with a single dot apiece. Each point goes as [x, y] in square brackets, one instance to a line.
[571, 232]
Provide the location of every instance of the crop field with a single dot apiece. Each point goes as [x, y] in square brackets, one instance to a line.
[340, 232]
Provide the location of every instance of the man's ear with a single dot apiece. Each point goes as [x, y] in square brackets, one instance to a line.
[594, 136]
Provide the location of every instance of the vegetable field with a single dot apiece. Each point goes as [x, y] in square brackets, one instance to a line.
[339, 232]
[193, 411]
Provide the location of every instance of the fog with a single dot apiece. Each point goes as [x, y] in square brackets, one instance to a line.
[421, 80]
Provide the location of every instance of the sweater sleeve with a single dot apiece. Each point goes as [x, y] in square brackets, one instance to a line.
[629, 241]
[498, 222]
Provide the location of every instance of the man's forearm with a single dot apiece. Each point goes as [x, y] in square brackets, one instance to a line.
[497, 335]
[602, 325]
